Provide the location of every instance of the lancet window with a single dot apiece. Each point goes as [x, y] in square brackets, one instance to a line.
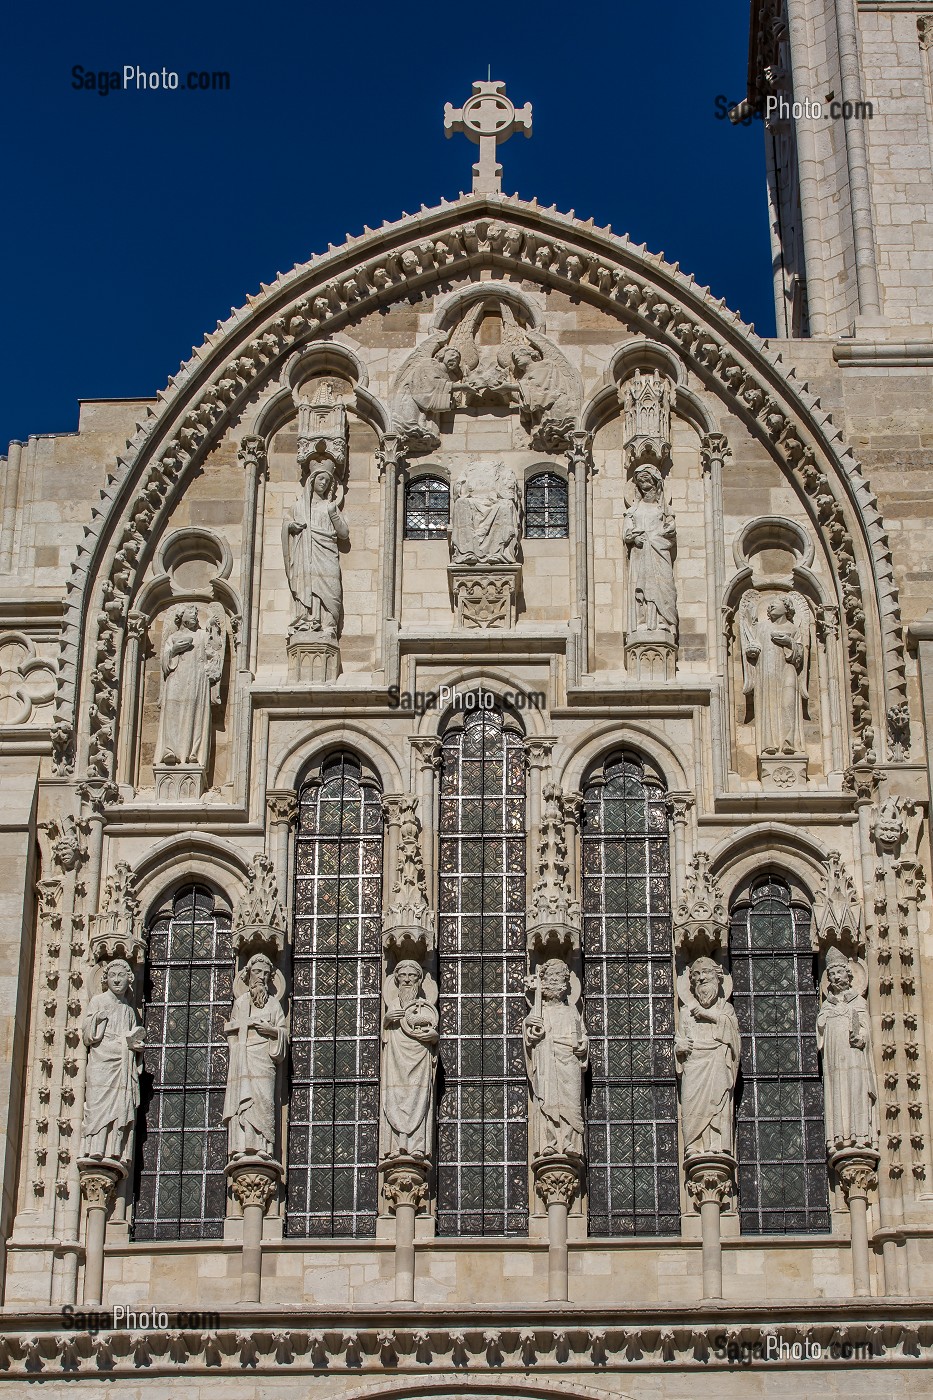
[546, 510]
[334, 1101]
[427, 508]
[781, 1142]
[629, 996]
[182, 1141]
[482, 1170]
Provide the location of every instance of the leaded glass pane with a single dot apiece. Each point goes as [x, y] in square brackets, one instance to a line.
[182, 1141]
[779, 1116]
[482, 1171]
[427, 509]
[332, 1183]
[629, 997]
[546, 513]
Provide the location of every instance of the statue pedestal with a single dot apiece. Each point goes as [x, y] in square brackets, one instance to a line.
[178, 782]
[312, 661]
[484, 595]
[783, 770]
[253, 1181]
[710, 1181]
[557, 1181]
[404, 1185]
[651, 657]
[99, 1178]
[857, 1170]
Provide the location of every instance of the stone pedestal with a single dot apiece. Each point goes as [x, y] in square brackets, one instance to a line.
[99, 1179]
[557, 1181]
[710, 1181]
[651, 657]
[254, 1181]
[312, 661]
[857, 1170]
[782, 770]
[484, 596]
[178, 782]
[404, 1185]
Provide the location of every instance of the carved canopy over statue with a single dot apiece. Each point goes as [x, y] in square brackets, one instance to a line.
[409, 1058]
[192, 663]
[650, 536]
[843, 1032]
[114, 1037]
[776, 654]
[485, 519]
[556, 1056]
[311, 538]
[706, 1051]
[257, 1038]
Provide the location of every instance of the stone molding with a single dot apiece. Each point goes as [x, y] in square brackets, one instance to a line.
[366, 272]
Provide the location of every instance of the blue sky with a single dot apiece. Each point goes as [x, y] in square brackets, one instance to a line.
[133, 221]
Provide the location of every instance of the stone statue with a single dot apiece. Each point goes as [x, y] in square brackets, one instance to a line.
[706, 1051]
[424, 389]
[257, 1038]
[409, 1058]
[650, 536]
[545, 392]
[843, 1035]
[192, 663]
[485, 515]
[114, 1037]
[311, 539]
[556, 1055]
[776, 663]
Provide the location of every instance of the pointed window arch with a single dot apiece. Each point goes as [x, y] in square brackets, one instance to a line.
[781, 1139]
[482, 1152]
[182, 1140]
[632, 1147]
[336, 963]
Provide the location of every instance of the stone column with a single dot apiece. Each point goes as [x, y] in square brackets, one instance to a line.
[579, 461]
[857, 1170]
[389, 462]
[10, 499]
[710, 1182]
[557, 1181]
[427, 750]
[678, 805]
[252, 457]
[254, 1181]
[99, 1180]
[538, 760]
[282, 807]
[405, 1188]
[137, 626]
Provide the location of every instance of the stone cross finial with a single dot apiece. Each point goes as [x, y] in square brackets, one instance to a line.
[487, 118]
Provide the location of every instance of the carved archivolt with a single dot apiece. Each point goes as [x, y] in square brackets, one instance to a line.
[211, 389]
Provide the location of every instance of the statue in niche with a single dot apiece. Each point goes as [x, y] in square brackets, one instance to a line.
[485, 518]
[843, 1035]
[556, 1056]
[424, 390]
[114, 1037]
[192, 664]
[257, 1038]
[650, 536]
[776, 653]
[409, 1060]
[706, 1052]
[311, 538]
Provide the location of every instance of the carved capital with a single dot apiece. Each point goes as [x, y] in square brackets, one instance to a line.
[714, 449]
[857, 1171]
[253, 1181]
[862, 780]
[580, 451]
[679, 804]
[99, 1179]
[97, 794]
[557, 1180]
[251, 453]
[282, 808]
[538, 752]
[389, 454]
[429, 751]
[404, 1182]
[710, 1179]
[137, 625]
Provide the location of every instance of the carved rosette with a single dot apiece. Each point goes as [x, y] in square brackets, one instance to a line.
[857, 1170]
[404, 1182]
[253, 1181]
[484, 597]
[711, 1178]
[558, 1179]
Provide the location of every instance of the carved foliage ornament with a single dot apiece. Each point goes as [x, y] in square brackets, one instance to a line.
[330, 304]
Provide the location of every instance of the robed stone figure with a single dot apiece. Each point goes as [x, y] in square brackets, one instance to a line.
[650, 536]
[424, 392]
[409, 1057]
[485, 517]
[192, 661]
[114, 1037]
[844, 1037]
[776, 660]
[311, 538]
[257, 1038]
[706, 1052]
[556, 1056]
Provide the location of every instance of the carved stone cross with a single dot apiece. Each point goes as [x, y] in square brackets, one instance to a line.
[487, 118]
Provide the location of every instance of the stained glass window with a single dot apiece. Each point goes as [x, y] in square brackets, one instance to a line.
[781, 1142]
[482, 1152]
[427, 508]
[629, 997]
[334, 1101]
[182, 1141]
[546, 514]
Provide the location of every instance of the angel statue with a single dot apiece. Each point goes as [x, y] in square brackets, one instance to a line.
[546, 393]
[424, 389]
[650, 536]
[192, 660]
[311, 538]
[776, 653]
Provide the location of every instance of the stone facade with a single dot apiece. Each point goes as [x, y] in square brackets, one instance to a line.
[779, 528]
